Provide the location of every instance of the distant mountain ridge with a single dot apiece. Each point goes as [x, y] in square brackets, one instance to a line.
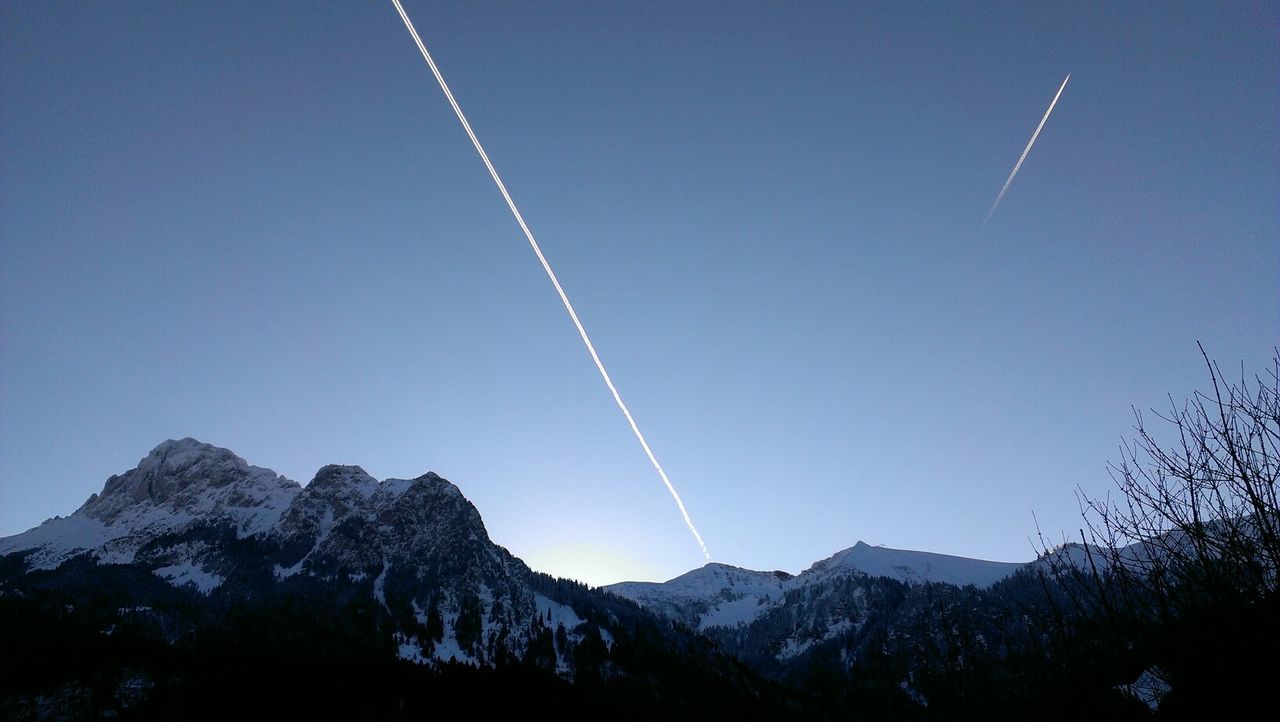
[195, 566]
[198, 550]
[200, 517]
[185, 483]
[416, 547]
[720, 595]
[916, 566]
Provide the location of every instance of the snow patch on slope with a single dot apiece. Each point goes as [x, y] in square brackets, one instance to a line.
[796, 645]
[60, 539]
[187, 573]
[394, 488]
[553, 613]
[448, 649]
[409, 649]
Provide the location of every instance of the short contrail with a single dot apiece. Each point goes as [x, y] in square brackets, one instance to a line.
[573, 316]
[1026, 150]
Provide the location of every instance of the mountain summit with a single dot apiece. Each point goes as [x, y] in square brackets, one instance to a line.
[719, 595]
[202, 558]
[200, 517]
[196, 572]
[913, 566]
[179, 485]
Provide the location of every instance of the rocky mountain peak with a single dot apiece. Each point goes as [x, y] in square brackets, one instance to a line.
[344, 480]
[174, 471]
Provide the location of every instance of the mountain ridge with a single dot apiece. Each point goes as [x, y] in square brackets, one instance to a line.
[721, 595]
[200, 517]
[195, 552]
[181, 479]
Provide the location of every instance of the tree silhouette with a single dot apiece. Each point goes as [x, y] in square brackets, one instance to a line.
[1180, 561]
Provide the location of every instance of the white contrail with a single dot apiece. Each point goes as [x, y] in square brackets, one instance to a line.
[552, 275]
[1026, 150]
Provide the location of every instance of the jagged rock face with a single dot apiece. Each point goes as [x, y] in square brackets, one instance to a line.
[191, 478]
[346, 521]
[198, 516]
[423, 549]
[179, 488]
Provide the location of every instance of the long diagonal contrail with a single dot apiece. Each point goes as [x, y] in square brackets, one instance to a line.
[573, 316]
[1026, 150]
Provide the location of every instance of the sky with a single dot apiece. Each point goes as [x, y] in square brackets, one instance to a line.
[260, 225]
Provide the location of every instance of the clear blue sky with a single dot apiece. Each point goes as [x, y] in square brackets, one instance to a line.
[259, 224]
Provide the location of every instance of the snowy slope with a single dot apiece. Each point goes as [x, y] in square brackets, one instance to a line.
[714, 595]
[778, 622]
[178, 485]
[718, 595]
[202, 519]
[913, 566]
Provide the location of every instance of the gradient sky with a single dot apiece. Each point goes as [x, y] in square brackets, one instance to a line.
[259, 224]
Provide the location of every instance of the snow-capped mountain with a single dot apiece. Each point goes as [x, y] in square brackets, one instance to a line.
[196, 563]
[178, 486]
[201, 518]
[912, 566]
[780, 623]
[196, 573]
[716, 595]
[719, 595]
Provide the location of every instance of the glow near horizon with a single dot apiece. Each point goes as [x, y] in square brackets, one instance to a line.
[554, 281]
